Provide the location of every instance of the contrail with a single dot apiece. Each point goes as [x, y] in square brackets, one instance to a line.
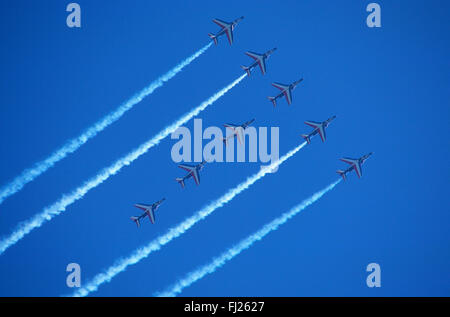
[178, 230]
[228, 255]
[67, 199]
[74, 144]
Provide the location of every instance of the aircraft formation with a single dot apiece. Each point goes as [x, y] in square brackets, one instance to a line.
[319, 128]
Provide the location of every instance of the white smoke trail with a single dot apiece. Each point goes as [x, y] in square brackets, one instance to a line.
[72, 145]
[178, 230]
[67, 199]
[221, 260]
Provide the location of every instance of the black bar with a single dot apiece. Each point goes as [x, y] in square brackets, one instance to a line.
[233, 306]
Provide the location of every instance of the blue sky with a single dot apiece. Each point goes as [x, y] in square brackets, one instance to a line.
[389, 88]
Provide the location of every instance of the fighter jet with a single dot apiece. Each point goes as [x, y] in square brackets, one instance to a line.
[193, 171]
[149, 210]
[355, 165]
[238, 130]
[227, 28]
[286, 90]
[319, 127]
[260, 59]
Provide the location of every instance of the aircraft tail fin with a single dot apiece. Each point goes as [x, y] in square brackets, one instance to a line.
[247, 69]
[273, 100]
[136, 220]
[342, 173]
[181, 181]
[213, 37]
[307, 138]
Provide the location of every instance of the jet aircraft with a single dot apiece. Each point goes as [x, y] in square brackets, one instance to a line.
[193, 171]
[260, 59]
[319, 128]
[355, 165]
[286, 90]
[237, 130]
[227, 28]
[149, 210]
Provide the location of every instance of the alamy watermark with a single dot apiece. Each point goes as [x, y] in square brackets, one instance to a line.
[220, 148]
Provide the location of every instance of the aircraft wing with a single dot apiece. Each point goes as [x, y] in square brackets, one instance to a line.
[186, 167]
[259, 58]
[143, 206]
[240, 134]
[230, 125]
[319, 127]
[151, 215]
[280, 86]
[349, 160]
[287, 93]
[196, 176]
[229, 34]
[355, 163]
[221, 23]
